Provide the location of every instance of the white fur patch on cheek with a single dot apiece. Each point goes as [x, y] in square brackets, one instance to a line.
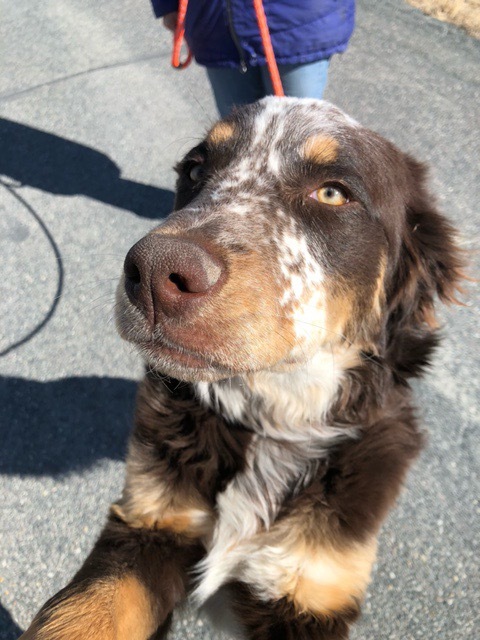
[302, 274]
[303, 291]
[310, 319]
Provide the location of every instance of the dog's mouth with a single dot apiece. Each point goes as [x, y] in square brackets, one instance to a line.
[184, 353]
[182, 363]
[176, 354]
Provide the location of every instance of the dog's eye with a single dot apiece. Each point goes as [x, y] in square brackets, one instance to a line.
[332, 194]
[196, 172]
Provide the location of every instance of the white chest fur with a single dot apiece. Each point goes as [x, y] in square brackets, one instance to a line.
[286, 411]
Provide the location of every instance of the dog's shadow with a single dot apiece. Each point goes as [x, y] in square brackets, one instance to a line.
[63, 167]
[50, 428]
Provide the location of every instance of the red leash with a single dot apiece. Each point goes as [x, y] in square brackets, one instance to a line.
[178, 38]
[264, 33]
[267, 47]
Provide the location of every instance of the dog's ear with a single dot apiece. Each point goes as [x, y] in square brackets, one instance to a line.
[429, 265]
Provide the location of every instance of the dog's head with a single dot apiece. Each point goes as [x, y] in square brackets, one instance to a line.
[296, 229]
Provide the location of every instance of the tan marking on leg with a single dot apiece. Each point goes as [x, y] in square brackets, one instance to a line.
[83, 615]
[149, 503]
[320, 149]
[133, 611]
[193, 523]
[119, 609]
[300, 558]
[221, 132]
[332, 580]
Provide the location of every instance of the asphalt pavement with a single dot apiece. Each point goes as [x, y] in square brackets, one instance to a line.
[92, 120]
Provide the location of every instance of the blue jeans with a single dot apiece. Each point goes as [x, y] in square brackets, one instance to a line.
[299, 80]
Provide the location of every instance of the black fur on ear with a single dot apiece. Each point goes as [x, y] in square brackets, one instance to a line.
[430, 265]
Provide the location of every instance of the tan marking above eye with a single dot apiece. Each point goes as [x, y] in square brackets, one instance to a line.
[330, 194]
[320, 149]
[221, 132]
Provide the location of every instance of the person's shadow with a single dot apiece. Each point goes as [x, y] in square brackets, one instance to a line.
[53, 428]
[60, 426]
[60, 166]
[9, 630]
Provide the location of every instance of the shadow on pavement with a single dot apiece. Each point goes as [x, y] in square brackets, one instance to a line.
[54, 427]
[9, 630]
[62, 167]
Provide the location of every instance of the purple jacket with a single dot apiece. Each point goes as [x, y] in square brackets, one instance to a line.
[224, 33]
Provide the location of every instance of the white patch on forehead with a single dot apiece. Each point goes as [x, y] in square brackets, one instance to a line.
[263, 121]
[279, 120]
[244, 170]
[321, 113]
[274, 160]
[263, 149]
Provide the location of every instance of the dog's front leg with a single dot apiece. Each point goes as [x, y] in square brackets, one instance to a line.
[126, 590]
[280, 619]
[305, 578]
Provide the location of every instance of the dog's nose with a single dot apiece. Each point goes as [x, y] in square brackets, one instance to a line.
[170, 275]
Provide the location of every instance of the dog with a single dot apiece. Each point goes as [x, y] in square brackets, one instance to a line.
[282, 309]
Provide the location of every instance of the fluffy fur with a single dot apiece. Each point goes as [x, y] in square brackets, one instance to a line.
[282, 309]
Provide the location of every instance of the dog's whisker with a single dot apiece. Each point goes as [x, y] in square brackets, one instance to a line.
[89, 308]
[86, 287]
[111, 301]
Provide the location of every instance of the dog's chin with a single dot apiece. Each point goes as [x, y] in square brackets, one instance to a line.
[184, 366]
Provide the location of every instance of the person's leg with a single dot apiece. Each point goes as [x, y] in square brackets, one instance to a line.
[230, 87]
[300, 80]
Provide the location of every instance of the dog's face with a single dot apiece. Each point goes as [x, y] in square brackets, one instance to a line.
[296, 229]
